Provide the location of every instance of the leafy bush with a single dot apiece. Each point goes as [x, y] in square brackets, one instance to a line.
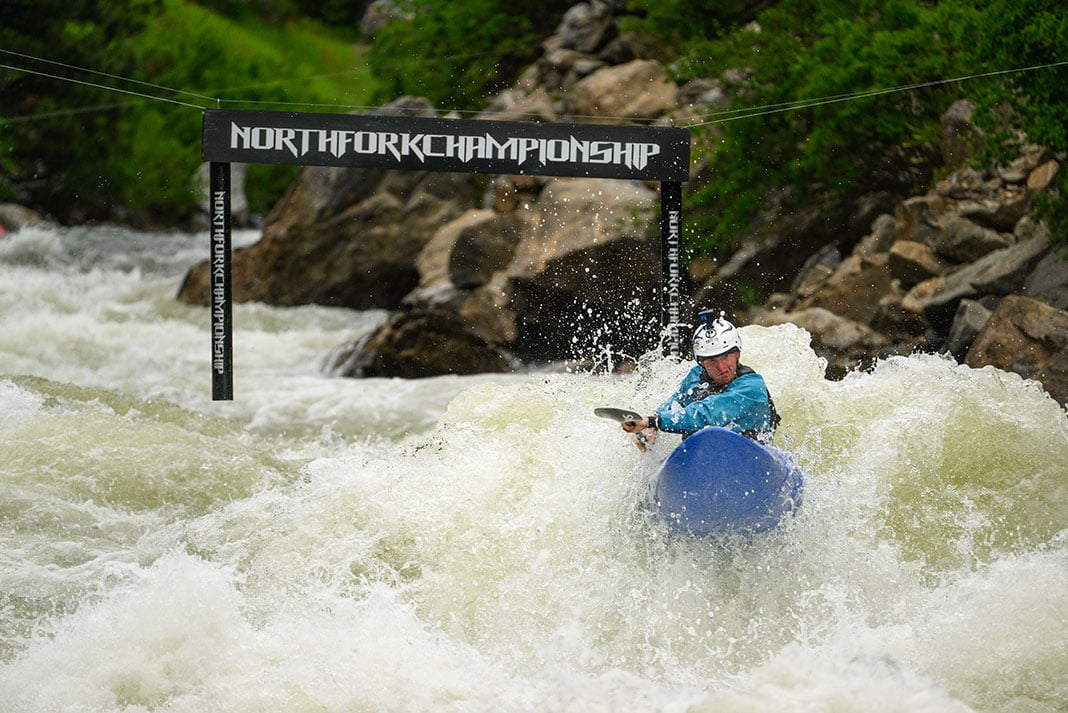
[457, 54]
[84, 153]
[814, 117]
[52, 129]
[1031, 35]
[819, 112]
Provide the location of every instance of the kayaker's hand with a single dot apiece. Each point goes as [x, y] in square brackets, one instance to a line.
[645, 439]
[635, 426]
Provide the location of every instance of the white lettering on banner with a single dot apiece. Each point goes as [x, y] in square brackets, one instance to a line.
[674, 263]
[634, 155]
[218, 280]
[673, 287]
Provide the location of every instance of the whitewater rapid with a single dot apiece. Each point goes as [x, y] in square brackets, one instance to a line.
[481, 543]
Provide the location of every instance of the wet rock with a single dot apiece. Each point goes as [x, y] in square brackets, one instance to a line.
[14, 217]
[414, 345]
[911, 263]
[467, 251]
[588, 268]
[1029, 338]
[1002, 272]
[969, 321]
[573, 270]
[845, 344]
[637, 90]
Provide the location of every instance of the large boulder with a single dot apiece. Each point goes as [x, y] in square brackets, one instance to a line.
[589, 270]
[999, 273]
[576, 269]
[414, 345]
[14, 217]
[1029, 338]
[362, 256]
[638, 89]
[465, 252]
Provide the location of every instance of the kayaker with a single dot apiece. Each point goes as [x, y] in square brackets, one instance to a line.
[717, 391]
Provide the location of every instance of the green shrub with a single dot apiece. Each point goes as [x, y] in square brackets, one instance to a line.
[92, 152]
[457, 54]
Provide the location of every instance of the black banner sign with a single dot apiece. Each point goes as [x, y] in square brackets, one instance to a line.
[453, 145]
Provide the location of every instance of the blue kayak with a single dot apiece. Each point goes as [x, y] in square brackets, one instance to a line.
[719, 482]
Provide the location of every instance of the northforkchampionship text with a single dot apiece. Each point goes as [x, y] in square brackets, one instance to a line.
[423, 146]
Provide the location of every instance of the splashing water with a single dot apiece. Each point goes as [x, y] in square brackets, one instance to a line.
[481, 543]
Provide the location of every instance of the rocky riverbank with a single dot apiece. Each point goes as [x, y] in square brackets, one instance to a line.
[484, 273]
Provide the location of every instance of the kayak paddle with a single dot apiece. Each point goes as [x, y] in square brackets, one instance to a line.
[621, 415]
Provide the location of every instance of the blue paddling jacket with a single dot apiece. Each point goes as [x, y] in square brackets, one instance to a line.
[743, 406]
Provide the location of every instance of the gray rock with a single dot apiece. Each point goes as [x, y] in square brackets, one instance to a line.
[14, 217]
[1049, 280]
[1002, 272]
[961, 139]
[965, 241]
[969, 321]
[1029, 338]
[911, 263]
[414, 345]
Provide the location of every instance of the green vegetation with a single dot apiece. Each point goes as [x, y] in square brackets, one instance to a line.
[800, 142]
[457, 54]
[813, 116]
[83, 152]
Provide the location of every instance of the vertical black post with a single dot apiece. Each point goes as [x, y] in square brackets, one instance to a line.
[671, 265]
[222, 324]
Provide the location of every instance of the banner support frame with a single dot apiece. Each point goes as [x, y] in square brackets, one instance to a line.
[644, 153]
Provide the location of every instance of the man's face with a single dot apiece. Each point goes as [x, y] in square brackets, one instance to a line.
[722, 368]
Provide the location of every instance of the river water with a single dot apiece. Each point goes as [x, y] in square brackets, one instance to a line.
[480, 543]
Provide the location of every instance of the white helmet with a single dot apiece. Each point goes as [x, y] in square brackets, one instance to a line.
[714, 338]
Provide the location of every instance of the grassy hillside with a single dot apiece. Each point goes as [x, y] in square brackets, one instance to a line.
[97, 145]
[246, 64]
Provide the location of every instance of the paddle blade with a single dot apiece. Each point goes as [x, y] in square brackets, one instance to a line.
[617, 414]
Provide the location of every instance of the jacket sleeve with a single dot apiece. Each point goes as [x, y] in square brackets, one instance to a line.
[684, 393]
[743, 406]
